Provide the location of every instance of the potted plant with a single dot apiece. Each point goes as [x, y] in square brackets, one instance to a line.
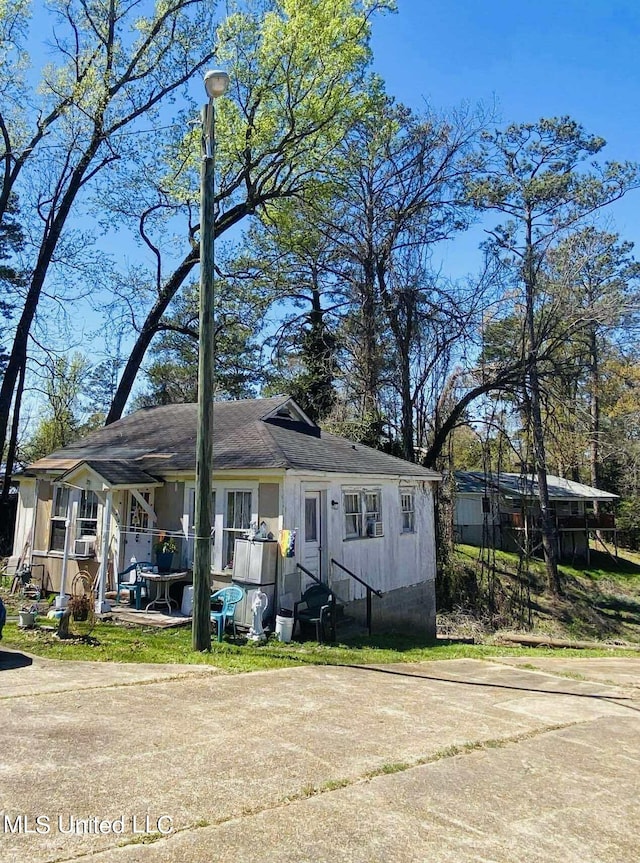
[165, 548]
[80, 607]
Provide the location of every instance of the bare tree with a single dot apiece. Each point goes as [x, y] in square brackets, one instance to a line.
[114, 65]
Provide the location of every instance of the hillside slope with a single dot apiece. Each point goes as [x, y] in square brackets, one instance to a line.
[492, 591]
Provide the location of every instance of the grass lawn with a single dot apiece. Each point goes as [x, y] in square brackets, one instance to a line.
[600, 602]
[109, 642]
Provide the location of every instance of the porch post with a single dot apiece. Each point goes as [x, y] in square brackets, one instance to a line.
[72, 512]
[34, 517]
[101, 605]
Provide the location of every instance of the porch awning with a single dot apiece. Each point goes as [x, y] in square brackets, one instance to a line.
[114, 473]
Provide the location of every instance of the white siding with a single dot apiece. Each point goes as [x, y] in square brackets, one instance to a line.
[393, 560]
[469, 510]
[24, 515]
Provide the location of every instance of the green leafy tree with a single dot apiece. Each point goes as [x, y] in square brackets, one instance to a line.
[289, 262]
[536, 178]
[173, 375]
[299, 79]
[398, 192]
[594, 281]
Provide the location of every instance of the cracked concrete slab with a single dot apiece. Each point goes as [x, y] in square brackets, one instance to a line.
[520, 802]
[241, 751]
[25, 675]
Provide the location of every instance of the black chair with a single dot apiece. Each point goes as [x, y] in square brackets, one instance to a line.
[317, 606]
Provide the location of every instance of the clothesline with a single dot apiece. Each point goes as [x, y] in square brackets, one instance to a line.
[153, 531]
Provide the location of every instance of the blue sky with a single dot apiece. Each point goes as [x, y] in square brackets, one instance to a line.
[531, 59]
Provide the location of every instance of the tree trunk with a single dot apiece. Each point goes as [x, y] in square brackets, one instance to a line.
[48, 247]
[16, 361]
[13, 439]
[594, 409]
[150, 328]
[547, 522]
[369, 345]
[402, 337]
[152, 323]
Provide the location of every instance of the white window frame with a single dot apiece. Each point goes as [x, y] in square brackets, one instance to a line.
[352, 514]
[59, 512]
[366, 521]
[231, 533]
[87, 525]
[408, 514]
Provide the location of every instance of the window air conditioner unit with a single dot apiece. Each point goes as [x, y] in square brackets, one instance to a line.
[378, 529]
[85, 547]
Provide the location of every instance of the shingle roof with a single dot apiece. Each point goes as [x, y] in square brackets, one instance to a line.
[526, 485]
[120, 472]
[247, 434]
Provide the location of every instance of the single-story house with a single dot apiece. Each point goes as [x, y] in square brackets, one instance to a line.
[503, 511]
[333, 506]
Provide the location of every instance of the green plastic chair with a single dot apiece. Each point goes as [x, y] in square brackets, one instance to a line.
[133, 580]
[230, 597]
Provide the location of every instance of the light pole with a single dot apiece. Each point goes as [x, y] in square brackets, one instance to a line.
[216, 83]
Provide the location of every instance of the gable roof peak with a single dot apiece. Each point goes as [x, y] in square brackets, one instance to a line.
[288, 409]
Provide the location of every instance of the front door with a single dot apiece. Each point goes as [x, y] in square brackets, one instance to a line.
[138, 538]
[312, 545]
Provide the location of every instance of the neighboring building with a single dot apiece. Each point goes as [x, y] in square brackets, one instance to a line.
[124, 485]
[503, 511]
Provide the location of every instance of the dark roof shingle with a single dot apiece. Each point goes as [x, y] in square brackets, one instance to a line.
[247, 434]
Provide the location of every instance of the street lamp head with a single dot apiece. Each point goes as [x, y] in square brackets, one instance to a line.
[216, 82]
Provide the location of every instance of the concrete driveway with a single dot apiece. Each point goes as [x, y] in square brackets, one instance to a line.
[444, 761]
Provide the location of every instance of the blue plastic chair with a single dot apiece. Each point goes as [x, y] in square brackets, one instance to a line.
[133, 580]
[230, 597]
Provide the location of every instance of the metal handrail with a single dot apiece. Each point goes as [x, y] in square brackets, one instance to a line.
[370, 589]
[357, 578]
[310, 574]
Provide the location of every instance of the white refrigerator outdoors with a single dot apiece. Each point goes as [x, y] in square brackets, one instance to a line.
[254, 565]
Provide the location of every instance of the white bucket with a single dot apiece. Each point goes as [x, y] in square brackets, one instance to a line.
[284, 628]
[187, 600]
[26, 619]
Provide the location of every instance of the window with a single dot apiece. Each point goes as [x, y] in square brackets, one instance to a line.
[138, 516]
[87, 520]
[59, 517]
[238, 522]
[407, 507]
[311, 519]
[486, 505]
[362, 513]
[372, 512]
[352, 515]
